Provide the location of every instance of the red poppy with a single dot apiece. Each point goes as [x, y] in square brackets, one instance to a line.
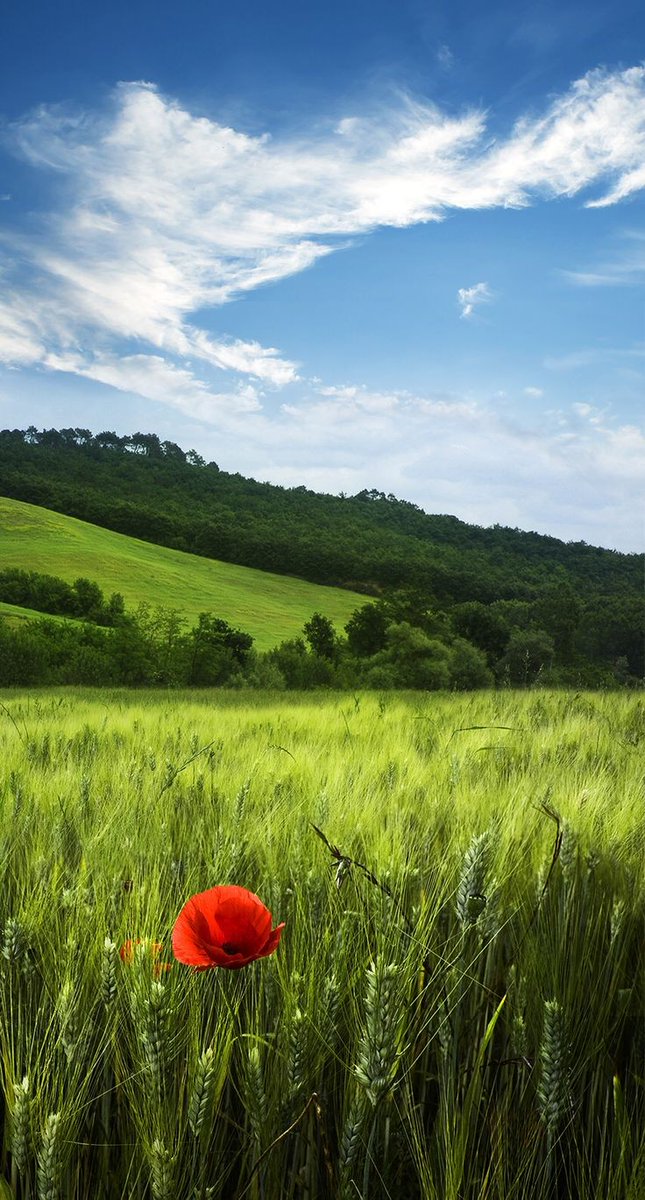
[224, 927]
[127, 953]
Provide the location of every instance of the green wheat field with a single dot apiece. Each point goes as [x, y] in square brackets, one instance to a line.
[456, 1010]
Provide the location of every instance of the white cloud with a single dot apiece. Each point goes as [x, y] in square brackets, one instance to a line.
[166, 214]
[584, 410]
[594, 132]
[534, 393]
[445, 57]
[590, 356]
[625, 268]
[576, 474]
[352, 398]
[152, 377]
[590, 278]
[20, 341]
[627, 185]
[469, 298]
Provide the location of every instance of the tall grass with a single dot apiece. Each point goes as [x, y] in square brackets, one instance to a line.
[456, 1010]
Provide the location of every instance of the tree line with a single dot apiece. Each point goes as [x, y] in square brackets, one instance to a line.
[395, 642]
[151, 489]
[495, 588]
[49, 594]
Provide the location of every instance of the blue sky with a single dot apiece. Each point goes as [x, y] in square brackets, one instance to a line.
[392, 245]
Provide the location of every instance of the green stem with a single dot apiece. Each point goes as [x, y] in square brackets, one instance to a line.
[368, 1157]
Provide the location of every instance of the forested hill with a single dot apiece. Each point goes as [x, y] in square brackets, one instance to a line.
[370, 542]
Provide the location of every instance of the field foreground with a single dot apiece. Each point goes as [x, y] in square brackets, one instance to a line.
[456, 1009]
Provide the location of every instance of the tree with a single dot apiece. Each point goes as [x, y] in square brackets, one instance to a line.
[558, 611]
[483, 626]
[468, 667]
[216, 651]
[115, 612]
[366, 630]
[529, 651]
[145, 443]
[23, 658]
[293, 663]
[172, 450]
[300, 669]
[162, 632]
[410, 659]
[413, 606]
[321, 635]
[420, 661]
[109, 440]
[89, 602]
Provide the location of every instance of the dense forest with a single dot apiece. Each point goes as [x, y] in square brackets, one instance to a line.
[528, 607]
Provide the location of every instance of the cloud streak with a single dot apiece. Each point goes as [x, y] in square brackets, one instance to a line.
[164, 214]
[626, 268]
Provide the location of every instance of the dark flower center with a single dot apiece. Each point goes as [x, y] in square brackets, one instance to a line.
[230, 948]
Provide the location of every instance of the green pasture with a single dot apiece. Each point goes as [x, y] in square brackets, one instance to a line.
[456, 1010]
[14, 613]
[270, 607]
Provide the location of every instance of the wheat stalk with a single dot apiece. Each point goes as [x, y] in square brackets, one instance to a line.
[21, 1136]
[379, 1046]
[553, 1087]
[201, 1097]
[471, 897]
[49, 1159]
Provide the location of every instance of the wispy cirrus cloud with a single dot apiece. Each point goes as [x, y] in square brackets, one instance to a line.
[163, 215]
[154, 378]
[589, 356]
[625, 267]
[472, 297]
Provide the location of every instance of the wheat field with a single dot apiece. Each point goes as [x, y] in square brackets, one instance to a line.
[456, 1009]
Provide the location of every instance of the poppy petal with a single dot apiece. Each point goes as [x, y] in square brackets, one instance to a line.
[223, 958]
[241, 918]
[191, 942]
[273, 941]
[126, 953]
[226, 926]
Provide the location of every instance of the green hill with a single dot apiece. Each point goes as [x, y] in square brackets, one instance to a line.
[270, 607]
[498, 588]
[15, 614]
[153, 490]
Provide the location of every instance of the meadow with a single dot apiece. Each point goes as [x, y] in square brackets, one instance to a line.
[456, 1009]
[269, 607]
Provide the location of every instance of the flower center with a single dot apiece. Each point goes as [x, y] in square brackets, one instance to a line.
[230, 948]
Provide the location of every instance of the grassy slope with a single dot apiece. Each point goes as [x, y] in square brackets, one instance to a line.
[270, 607]
[15, 614]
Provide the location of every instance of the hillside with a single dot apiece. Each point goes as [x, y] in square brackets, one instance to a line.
[154, 491]
[269, 607]
[259, 555]
[15, 614]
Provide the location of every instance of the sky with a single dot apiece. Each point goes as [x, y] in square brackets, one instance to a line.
[384, 244]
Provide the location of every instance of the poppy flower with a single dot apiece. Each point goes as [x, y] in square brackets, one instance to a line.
[224, 927]
[127, 953]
